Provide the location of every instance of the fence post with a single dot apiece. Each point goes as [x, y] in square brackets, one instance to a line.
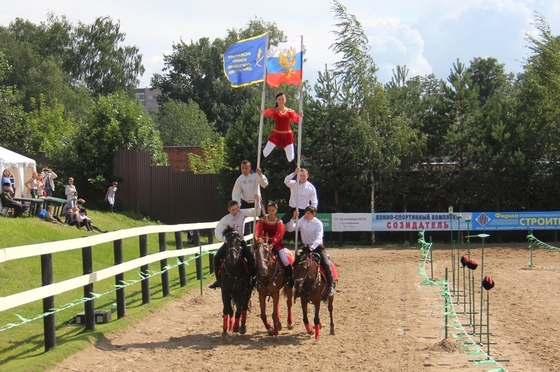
[163, 265]
[144, 269]
[198, 257]
[119, 279]
[89, 306]
[182, 271]
[49, 326]
[211, 255]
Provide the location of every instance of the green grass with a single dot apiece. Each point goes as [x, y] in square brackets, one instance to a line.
[22, 347]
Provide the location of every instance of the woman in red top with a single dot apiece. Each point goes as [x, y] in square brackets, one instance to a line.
[282, 135]
[273, 227]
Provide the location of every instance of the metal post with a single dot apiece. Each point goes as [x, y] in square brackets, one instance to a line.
[457, 259]
[452, 249]
[483, 236]
[447, 302]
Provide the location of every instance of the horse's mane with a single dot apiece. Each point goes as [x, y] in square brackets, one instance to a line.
[228, 230]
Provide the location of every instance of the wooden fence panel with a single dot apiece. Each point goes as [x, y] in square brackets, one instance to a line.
[164, 195]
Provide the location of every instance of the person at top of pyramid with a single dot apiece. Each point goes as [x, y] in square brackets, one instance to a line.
[282, 135]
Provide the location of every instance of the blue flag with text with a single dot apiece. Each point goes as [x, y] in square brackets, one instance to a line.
[244, 61]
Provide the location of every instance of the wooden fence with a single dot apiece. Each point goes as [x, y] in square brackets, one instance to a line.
[164, 195]
[49, 289]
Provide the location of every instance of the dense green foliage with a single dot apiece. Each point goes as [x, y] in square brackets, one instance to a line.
[479, 139]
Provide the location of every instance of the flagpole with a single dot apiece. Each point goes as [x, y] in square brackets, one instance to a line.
[261, 124]
[300, 123]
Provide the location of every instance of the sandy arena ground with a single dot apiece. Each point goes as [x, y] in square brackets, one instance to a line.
[385, 320]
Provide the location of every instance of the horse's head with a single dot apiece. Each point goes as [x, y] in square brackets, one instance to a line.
[233, 242]
[263, 254]
[304, 268]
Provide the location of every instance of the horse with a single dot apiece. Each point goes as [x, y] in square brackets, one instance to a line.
[234, 283]
[311, 286]
[271, 279]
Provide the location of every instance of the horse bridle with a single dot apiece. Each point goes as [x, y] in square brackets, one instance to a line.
[233, 247]
[308, 261]
[268, 250]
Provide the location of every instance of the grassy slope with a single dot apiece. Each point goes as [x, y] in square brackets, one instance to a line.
[22, 347]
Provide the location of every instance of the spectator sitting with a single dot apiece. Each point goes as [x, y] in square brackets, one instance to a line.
[71, 218]
[50, 218]
[41, 212]
[84, 220]
[9, 202]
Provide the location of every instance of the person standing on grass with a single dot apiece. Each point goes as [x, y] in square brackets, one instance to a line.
[48, 180]
[110, 195]
[71, 194]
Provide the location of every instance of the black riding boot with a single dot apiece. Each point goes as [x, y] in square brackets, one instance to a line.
[289, 275]
[217, 261]
[250, 264]
[325, 264]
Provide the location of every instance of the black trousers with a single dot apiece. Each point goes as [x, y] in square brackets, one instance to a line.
[288, 216]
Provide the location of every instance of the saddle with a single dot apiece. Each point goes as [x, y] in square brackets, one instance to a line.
[316, 259]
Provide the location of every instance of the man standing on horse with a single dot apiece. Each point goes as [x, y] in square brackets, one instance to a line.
[236, 219]
[246, 186]
[311, 229]
[301, 195]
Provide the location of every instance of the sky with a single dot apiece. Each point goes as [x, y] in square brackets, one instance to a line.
[428, 36]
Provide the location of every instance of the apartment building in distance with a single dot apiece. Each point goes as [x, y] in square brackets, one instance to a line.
[148, 98]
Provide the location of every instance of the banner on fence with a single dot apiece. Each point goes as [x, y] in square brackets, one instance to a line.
[488, 221]
[351, 221]
[419, 221]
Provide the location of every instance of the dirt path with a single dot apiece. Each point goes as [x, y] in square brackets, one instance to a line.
[385, 320]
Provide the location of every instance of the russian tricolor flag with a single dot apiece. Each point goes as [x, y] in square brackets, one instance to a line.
[284, 64]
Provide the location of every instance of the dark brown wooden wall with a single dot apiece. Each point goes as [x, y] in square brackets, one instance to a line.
[164, 195]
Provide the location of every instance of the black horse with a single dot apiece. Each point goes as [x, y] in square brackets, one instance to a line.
[234, 282]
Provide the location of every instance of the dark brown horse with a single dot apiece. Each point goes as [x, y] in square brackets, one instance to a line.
[311, 287]
[234, 282]
[271, 279]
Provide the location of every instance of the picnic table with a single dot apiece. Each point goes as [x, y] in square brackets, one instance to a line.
[33, 203]
[58, 203]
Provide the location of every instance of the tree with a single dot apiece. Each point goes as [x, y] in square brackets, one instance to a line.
[100, 62]
[213, 158]
[14, 132]
[462, 120]
[379, 141]
[116, 122]
[538, 112]
[183, 124]
[51, 129]
[194, 71]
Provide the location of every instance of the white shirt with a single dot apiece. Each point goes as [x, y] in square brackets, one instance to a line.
[311, 231]
[246, 187]
[237, 222]
[306, 193]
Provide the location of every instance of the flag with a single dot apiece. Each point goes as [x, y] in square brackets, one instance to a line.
[284, 64]
[244, 61]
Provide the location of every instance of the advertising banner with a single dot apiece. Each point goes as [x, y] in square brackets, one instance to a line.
[351, 222]
[439, 221]
[491, 221]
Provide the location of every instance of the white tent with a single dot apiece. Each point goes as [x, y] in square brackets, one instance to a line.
[20, 166]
